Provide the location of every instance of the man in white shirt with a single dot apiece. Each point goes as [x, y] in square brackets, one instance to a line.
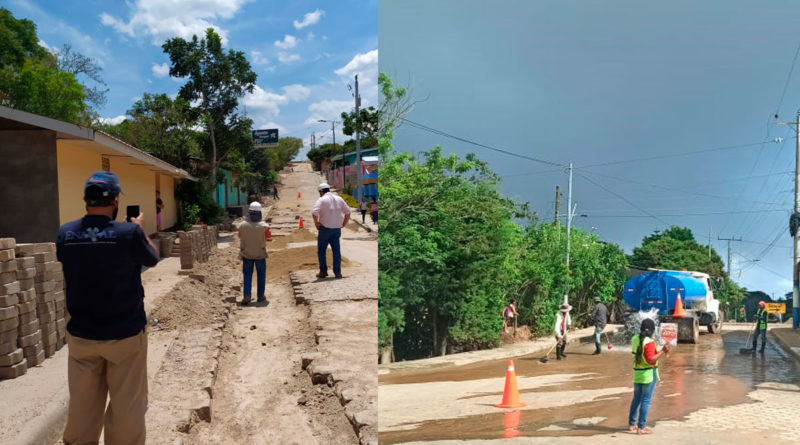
[563, 324]
[330, 214]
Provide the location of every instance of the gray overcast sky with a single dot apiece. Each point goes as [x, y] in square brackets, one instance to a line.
[595, 82]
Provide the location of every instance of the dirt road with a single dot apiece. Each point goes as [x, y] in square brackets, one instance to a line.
[709, 393]
[234, 374]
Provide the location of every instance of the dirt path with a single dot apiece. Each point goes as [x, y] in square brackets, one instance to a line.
[233, 374]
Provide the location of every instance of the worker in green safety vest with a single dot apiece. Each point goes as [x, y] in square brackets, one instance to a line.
[645, 375]
[761, 327]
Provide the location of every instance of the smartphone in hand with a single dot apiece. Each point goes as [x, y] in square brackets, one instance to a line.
[131, 212]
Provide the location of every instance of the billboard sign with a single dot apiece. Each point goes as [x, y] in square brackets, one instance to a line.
[265, 137]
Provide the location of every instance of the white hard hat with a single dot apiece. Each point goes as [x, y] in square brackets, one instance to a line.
[255, 206]
[323, 186]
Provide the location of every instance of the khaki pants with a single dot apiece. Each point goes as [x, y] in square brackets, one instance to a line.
[96, 370]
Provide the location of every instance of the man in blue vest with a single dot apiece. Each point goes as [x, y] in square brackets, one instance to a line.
[761, 327]
[102, 261]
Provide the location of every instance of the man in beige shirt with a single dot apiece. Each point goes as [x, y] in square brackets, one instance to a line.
[330, 214]
[253, 235]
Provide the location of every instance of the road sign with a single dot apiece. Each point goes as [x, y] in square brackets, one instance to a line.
[261, 137]
[776, 308]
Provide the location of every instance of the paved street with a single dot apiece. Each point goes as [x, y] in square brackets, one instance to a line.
[709, 393]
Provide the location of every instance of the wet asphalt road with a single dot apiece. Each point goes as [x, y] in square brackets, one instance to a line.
[712, 373]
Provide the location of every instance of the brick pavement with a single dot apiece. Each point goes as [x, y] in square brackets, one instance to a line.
[344, 316]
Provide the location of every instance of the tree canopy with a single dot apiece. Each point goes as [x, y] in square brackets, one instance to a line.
[216, 80]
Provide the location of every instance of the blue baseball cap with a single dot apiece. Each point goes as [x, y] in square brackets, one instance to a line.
[101, 187]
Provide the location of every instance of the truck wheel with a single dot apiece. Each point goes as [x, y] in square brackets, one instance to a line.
[688, 329]
[716, 327]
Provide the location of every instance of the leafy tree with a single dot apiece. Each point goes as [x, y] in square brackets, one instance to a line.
[20, 42]
[162, 127]
[446, 237]
[41, 90]
[597, 269]
[216, 79]
[321, 153]
[29, 80]
[367, 121]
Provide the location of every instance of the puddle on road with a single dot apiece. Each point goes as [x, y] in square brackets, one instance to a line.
[711, 373]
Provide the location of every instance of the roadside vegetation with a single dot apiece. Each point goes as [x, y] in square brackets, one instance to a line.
[454, 251]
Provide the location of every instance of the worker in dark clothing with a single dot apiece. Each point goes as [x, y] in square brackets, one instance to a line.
[102, 261]
[599, 318]
[761, 327]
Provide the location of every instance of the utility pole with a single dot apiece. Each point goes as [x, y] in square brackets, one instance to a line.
[358, 144]
[729, 250]
[570, 212]
[793, 229]
[796, 234]
[557, 222]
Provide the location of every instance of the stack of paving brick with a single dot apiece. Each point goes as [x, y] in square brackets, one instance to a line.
[12, 360]
[187, 250]
[40, 344]
[49, 284]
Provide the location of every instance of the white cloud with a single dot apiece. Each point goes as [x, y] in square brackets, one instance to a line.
[310, 36]
[164, 19]
[309, 19]
[258, 58]
[296, 92]
[328, 109]
[366, 66]
[285, 57]
[160, 70]
[264, 106]
[112, 120]
[288, 42]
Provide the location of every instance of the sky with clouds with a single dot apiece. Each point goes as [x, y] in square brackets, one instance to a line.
[305, 53]
[617, 88]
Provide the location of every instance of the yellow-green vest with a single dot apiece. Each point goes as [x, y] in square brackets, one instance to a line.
[643, 372]
[761, 315]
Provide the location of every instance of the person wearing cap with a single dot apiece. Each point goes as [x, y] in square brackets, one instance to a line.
[102, 261]
[330, 214]
[563, 323]
[761, 327]
[599, 318]
[253, 235]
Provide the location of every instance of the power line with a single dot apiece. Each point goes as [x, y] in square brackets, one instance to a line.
[685, 214]
[624, 199]
[477, 144]
[688, 153]
[672, 189]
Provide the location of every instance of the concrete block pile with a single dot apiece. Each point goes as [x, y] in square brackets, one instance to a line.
[12, 360]
[32, 306]
[48, 284]
[196, 245]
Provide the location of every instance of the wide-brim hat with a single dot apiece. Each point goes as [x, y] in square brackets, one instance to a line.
[566, 307]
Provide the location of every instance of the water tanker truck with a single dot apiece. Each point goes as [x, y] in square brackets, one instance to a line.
[659, 289]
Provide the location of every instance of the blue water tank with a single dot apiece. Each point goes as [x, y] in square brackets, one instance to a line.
[660, 289]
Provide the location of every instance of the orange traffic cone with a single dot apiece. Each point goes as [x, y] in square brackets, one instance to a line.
[298, 195]
[679, 312]
[510, 393]
[301, 223]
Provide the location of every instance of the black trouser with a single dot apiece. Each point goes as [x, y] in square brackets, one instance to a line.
[763, 334]
[561, 346]
[363, 217]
